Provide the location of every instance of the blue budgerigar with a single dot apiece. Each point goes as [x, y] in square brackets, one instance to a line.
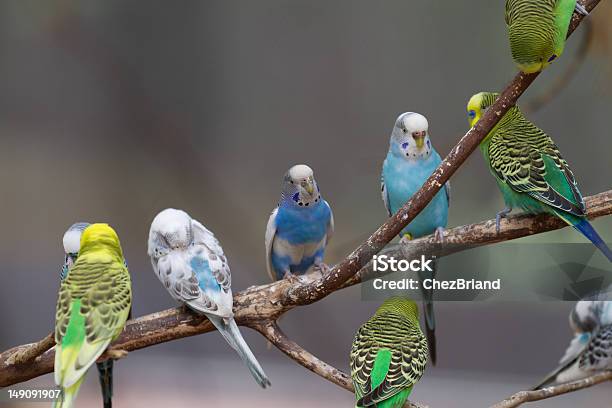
[411, 159]
[72, 247]
[190, 263]
[300, 227]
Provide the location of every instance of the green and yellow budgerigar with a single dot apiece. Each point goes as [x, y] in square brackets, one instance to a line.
[530, 171]
[537, 30]
[92, 308]
[389, 355]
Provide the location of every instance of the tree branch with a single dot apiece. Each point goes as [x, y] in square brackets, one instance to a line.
[259, 307]
[457, 156]
[528, 396]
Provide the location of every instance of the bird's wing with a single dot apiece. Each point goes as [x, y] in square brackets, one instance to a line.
[330, 224]
[270, 233]
[385, 196]
[214, 255]
[93, 306]
[576, 346]
[527, 160]
[408, 361]
[598, 353]
[362, 357]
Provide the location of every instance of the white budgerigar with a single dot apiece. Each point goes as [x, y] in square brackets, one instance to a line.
[590, 350]
[189, 261]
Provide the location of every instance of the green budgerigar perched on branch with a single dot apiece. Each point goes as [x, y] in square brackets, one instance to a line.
[389, 355]
[530, 171]
[92, 308]
[537, 30]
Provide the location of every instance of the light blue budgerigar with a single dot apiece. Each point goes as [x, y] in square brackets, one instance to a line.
[190, 263]
[72, 247]
[411, 159]
[590, 351]
[300, 227]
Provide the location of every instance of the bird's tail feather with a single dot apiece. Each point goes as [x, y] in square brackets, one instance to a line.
[105, 373]
[229, 330]
[552, 376]
[66, 399]
[588, 231]
[428, 312]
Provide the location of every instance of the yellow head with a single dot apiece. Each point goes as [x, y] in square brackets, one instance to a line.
[100, 236]
[478, 104]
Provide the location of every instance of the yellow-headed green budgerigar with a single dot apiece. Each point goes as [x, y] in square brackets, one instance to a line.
[72, 245]
[389, 355]
[530, 171]
[537, 30]
[92, 308]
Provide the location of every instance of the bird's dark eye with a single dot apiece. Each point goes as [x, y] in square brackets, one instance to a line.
[404, 131]
[552, 58]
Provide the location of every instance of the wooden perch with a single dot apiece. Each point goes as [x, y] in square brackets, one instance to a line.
[259, 307]
[528, 396]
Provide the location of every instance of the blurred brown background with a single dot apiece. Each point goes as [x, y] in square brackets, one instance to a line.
[111, 111]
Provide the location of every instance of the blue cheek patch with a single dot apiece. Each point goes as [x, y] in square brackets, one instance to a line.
[404, 145]
[552, 58]
[428, 144]
[472, 114]
[296, 197]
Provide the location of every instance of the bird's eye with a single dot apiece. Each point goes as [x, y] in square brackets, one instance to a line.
[552, 58]
[405, 130]
[404, 145]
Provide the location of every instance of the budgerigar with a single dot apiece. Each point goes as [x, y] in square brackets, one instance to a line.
[300, 227]
[590, 350]
[94, 303]
[411, 159]
[537, 30]
[189, 261]
[530, 171]
[389, 355]
[72, 244]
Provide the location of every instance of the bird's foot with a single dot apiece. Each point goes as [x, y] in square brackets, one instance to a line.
[116, 354]
[580, 9]
[439, 235]
[502, 214]
[407, 237]
[293, 278]
[321, 268]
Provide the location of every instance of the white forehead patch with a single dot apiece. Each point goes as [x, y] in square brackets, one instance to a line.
[72, 241]
[413, 122]
[300, 171]
[168, 219]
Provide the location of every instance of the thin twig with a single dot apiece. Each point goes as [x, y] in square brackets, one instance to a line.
[528, 396]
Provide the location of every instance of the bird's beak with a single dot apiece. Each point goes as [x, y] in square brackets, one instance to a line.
[419, 138]
[308, 185]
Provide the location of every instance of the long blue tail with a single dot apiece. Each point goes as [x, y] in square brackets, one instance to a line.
[588, 231]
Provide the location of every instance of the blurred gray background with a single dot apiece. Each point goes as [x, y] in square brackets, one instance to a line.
[111, 111]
